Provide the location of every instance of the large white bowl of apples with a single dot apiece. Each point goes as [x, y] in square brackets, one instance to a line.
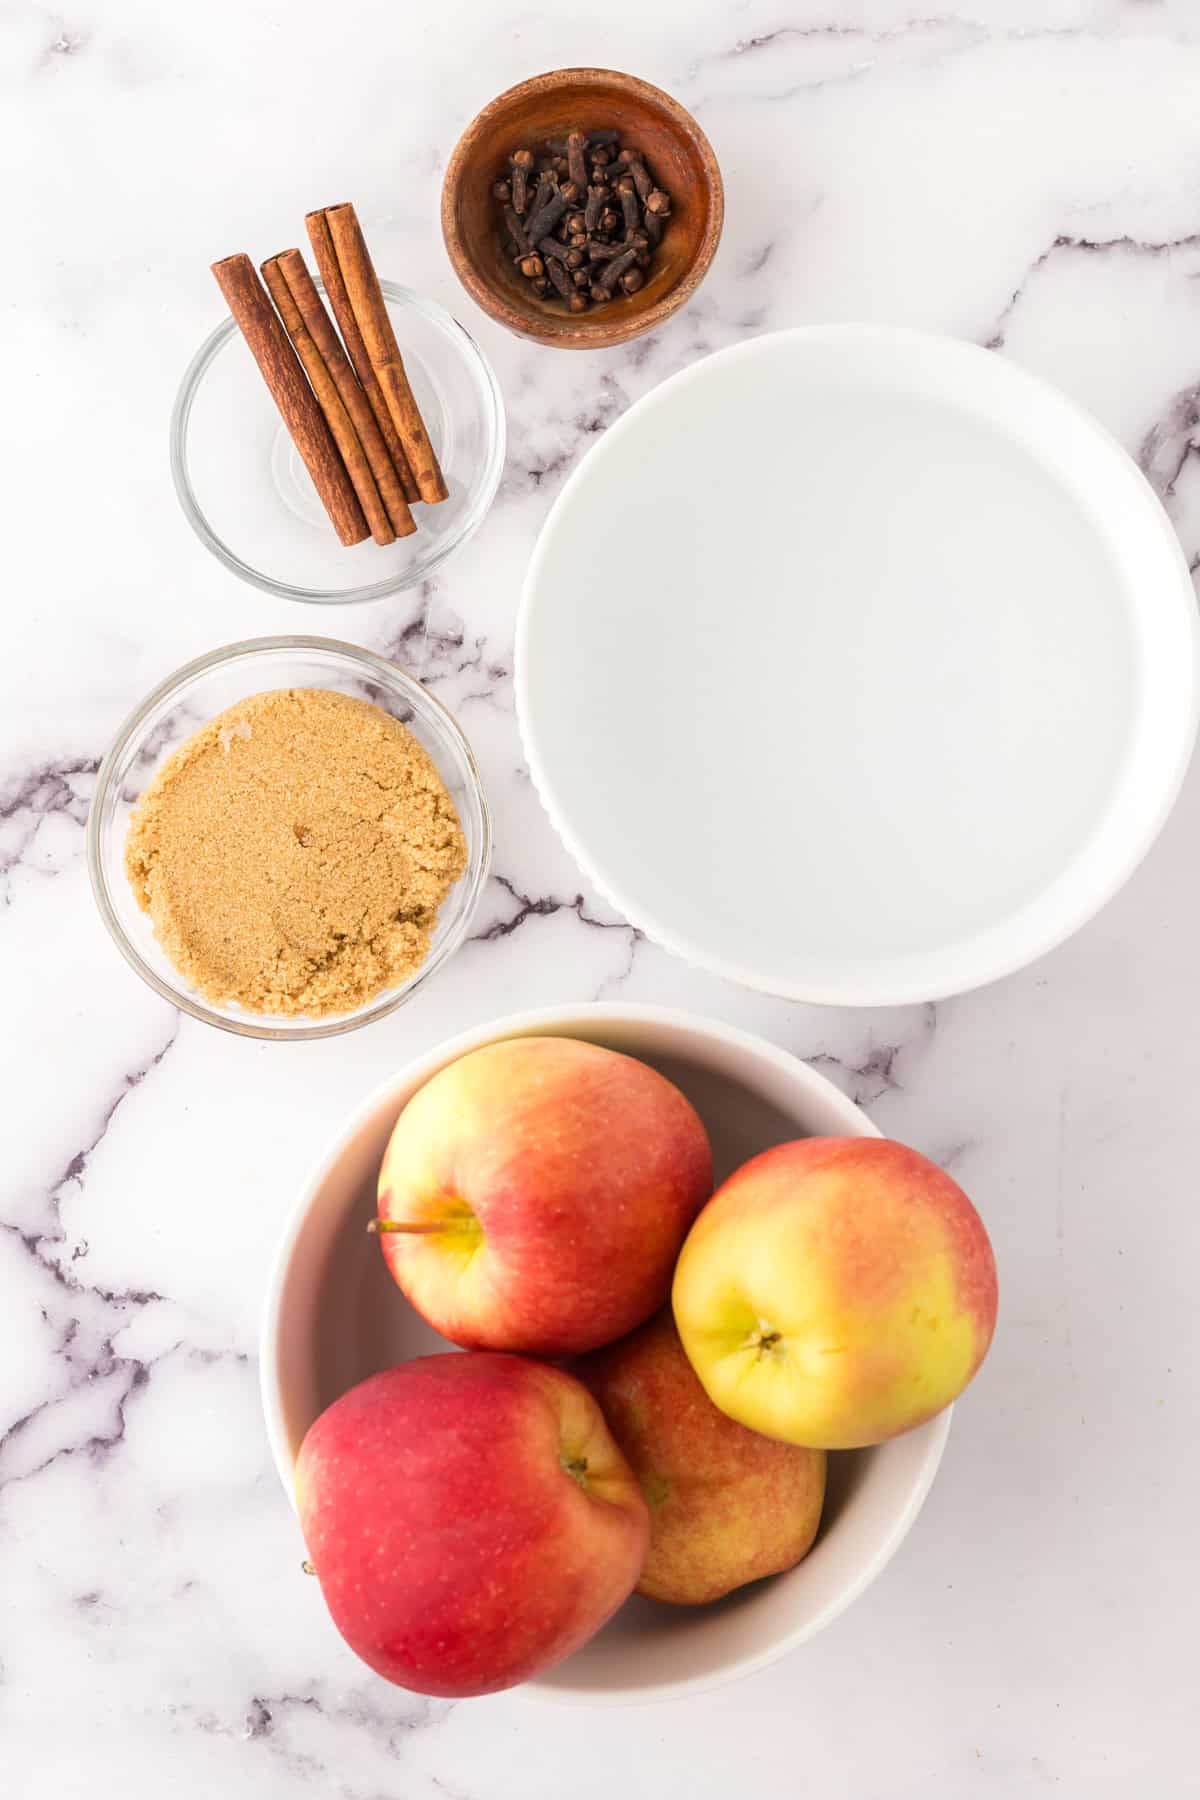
[707, 1326]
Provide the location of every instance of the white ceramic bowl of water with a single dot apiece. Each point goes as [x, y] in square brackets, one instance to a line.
[886, 680]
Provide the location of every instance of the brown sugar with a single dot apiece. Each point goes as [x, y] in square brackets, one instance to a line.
[293, 853]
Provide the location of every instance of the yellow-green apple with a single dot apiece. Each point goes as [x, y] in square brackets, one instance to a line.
[836, 1291]
[727, 1505]
[470, 1520]
[535, 1193]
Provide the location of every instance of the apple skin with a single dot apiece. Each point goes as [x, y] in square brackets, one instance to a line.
[836, 1292]
[554, 1181]
[727, 1505]
[457, 1552]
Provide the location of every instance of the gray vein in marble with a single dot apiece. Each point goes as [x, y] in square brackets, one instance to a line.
[1086, 247]
[545, 445]
[115, 1378]
[954, 1154]
[66, 44]
[76, 1168]
[878, 1072]
[933, 37]
[612, 983]
[963, 34]
[30, 798]
[785, 34]
[759, 258]
[91, 1366]
[543, 907]
[385, 1716]
[442, 652]
[968, 33]
[260, 1715]
[1170, 441]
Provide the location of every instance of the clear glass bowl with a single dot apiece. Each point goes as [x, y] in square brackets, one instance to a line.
[248, 496]
[189, 699]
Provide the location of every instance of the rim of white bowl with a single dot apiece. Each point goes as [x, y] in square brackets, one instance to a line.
[419, 1070]
[1025, 936]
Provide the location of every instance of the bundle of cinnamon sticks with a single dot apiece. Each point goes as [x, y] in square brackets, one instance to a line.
[346, 401]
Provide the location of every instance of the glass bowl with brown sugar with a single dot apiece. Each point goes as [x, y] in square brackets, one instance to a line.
[288, 837]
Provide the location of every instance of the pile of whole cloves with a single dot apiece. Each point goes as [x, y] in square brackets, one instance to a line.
[583, 219]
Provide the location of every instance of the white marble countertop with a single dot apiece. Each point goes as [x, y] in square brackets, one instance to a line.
[1024, 173]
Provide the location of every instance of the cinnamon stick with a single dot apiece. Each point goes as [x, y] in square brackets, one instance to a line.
[331, 274]
[366, 456]
[330, 402]
[371, 316]
[268, 343]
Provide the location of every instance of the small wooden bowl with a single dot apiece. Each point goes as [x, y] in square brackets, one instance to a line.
[549, 106]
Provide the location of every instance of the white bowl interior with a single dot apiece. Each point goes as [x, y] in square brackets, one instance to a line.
[334, 1316]
[915, 642]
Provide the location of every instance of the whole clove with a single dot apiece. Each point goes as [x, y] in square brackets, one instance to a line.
[597, 200]
[639, 174]
[516, 232]
[547, 216]
[560, 278]
[547, 185]
[576, 161]
[614, 270]
[522, 165]
[583, 216]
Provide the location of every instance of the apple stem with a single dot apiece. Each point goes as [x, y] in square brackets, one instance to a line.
[307, 1568]
[378, 1225]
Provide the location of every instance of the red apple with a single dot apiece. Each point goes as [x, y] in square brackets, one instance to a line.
[470, 1520]
[535, 1193]
[727, 1505]
[836, 1291]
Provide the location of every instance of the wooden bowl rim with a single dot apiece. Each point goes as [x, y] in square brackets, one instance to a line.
[569, 335]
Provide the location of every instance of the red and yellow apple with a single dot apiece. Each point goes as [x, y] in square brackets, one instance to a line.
[836, 1292]
[470, 1520]
[727, 1505]
[535, 1193]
